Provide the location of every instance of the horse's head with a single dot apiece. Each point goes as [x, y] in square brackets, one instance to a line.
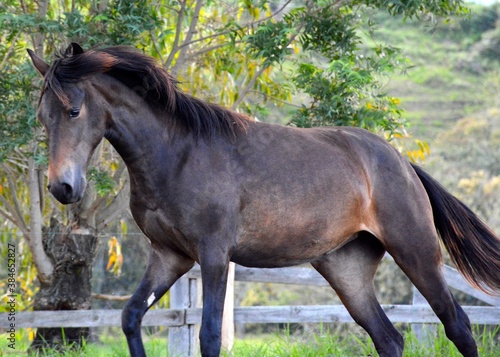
[74, 125]
[100, 92]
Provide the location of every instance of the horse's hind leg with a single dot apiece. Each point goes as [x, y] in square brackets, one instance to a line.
[350, 271]
[414, 246]
[164, 268]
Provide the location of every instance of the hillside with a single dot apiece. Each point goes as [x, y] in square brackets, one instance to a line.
[454, 65]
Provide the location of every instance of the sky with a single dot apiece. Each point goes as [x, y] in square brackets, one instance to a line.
[484, 2]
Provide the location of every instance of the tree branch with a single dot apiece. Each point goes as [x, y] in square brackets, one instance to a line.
[192, 29]
[42, 262]
[155, 45]
[83, 210]
[111, 297]
[10, 50]
[17, 207]
[247, 25]
[13, 216]
[212, 48]
[116, 177]
[275, 99]
[243, 92]
[39, 36]
[177, 37]
[115, 208]
[9, 217]
[16, 214]
[41, 186]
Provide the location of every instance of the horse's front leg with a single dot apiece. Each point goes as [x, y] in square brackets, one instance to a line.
[164, 268]
[214, 268]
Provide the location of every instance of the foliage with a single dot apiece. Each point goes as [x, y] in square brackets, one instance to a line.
[17, 116]
[412, 9]
[340, 79]
[420, 153]
[343, 94]
[103, 182]
[470, 29]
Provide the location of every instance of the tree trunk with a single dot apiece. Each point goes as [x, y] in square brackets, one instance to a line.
[34, 237]
[72, 250]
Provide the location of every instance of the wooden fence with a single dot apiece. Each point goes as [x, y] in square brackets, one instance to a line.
[185, 311]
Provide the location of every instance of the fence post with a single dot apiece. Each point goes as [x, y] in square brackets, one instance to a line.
[182, 340]
[228, 317]
[423, 332]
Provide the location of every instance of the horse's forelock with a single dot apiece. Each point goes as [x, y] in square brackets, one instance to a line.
[69, 68]
[75, 68]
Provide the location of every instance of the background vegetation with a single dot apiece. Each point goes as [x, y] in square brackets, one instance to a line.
[427, 80]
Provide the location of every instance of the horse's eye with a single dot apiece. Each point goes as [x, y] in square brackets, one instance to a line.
[73, 113]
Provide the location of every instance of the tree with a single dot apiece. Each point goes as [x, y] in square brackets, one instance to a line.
[247, 55]
[63, 250]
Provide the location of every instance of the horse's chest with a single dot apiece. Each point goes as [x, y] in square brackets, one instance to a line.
[162, 232]
[151, 219]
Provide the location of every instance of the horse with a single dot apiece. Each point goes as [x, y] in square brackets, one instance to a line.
[210, 185]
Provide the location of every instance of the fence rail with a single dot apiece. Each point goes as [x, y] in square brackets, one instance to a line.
[484, 315]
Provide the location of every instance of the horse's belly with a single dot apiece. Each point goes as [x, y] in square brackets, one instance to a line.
[286, 232]
[279, 248]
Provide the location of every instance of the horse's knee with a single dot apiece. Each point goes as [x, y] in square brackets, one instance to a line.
[131, 321]
[131, 326]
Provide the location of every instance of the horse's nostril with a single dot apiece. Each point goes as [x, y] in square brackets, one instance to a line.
[64, 192]
[49, 186]
[68, 189]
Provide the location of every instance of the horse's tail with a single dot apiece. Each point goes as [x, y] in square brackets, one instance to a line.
[473, 247]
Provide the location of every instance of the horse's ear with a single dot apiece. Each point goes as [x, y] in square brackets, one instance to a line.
[40, 65]
[73, 49]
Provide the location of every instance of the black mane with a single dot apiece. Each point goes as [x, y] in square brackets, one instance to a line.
[159, 89]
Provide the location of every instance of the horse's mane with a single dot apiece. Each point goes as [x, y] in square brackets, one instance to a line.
[159, 89]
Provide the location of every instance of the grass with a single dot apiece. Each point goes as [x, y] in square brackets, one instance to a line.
[321, 344]
[324, 344]
[104, 348]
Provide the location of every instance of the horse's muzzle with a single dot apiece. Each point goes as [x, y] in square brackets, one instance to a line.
[67, 192]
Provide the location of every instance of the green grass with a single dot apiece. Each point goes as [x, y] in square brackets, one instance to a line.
[284, 344]
[324, 344]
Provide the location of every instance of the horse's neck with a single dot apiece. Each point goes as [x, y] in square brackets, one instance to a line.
[143, 142]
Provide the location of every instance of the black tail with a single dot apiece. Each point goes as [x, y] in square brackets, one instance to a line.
[473, 246]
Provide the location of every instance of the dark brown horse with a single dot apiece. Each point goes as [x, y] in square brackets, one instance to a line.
[211, 186]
